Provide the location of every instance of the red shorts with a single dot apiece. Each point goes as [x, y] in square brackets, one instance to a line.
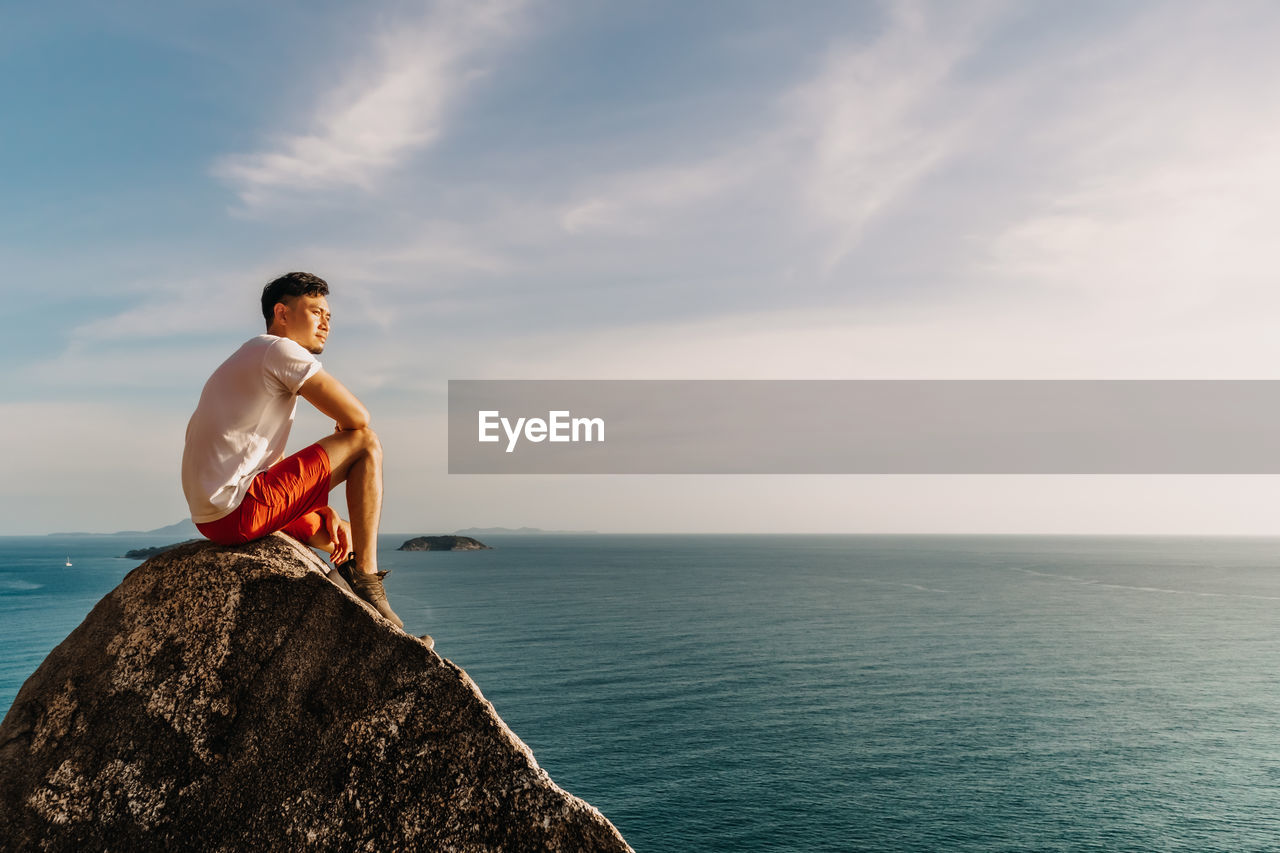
[287, 496]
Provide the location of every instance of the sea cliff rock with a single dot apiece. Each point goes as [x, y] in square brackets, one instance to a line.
[233, 699]
[443, 543]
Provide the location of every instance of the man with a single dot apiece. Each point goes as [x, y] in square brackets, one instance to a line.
[238, 483]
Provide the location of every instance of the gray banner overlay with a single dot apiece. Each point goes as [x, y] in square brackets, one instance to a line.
[864, 427]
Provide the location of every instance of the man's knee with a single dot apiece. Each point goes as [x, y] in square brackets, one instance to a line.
[368, 440]
[364, 444]
[350, 447]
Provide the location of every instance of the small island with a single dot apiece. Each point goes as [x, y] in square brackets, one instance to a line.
[443, 543]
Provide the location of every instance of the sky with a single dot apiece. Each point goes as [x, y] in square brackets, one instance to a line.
[580, 190]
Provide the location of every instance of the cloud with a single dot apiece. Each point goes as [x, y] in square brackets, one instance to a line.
[639, 200]
[880, 117]
[1159, 178]
[177, 301]
[856, 139]
[982, 338]
[1050, 172]
[389, 106]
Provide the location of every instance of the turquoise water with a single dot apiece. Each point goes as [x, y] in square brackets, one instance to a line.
[733, 693]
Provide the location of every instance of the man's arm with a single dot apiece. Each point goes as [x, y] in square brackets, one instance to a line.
[332, 398]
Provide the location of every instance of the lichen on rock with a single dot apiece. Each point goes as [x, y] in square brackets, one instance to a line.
[234, 698]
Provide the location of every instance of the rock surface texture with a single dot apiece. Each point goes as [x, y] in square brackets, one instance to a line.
[234, 699]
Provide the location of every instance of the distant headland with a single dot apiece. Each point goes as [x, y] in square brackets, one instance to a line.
[145, 553]
[520, 531]
[186, 527]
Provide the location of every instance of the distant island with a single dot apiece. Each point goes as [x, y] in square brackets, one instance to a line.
[521, 531]
[181, 528]
[443, 543]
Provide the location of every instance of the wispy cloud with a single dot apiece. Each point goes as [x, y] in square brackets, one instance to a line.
[388, 106]
[881, 116]
[878, 116]
[1158, 180]
[639, 200]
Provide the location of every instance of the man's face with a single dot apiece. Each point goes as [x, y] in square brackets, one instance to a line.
[306, 322]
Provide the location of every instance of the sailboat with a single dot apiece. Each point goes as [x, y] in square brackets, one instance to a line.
[68, 561]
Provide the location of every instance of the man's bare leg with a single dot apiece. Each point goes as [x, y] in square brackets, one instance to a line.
[355, 457]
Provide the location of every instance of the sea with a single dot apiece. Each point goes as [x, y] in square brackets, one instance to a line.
[838, 693]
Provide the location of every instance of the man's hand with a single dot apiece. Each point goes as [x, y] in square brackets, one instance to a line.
[339, 533]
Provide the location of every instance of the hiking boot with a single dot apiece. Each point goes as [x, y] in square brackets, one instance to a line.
[347, 571]
[369, 587]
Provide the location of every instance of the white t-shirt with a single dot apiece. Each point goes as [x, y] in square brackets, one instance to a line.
[241, 425]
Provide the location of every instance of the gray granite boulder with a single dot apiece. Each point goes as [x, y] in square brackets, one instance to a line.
[234, 698]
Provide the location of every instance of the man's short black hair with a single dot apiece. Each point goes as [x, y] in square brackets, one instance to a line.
[288, 287]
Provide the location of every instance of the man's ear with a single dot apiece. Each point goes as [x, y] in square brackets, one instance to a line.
[278, 310]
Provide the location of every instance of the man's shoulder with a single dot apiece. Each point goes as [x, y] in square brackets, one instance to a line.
[288, 363]
[287, 347]
[257, 343]
[283, 363]
[267, 344]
